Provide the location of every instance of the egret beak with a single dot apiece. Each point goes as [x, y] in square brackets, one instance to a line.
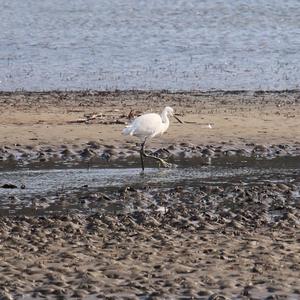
[178, 119]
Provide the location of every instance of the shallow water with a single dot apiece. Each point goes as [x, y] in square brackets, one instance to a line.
[47, 186]
[248, 171]
[135, 44]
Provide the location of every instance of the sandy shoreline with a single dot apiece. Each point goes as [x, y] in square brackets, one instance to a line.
[78, 126]
[237, 118]
[234, 241]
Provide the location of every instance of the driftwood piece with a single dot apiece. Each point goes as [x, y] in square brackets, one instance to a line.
[87, 118]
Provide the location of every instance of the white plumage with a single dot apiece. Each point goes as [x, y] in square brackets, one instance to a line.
[148, 126]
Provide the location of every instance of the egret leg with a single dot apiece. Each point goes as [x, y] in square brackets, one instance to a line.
[143, 154]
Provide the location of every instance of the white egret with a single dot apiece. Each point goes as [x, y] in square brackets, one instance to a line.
[148, 126]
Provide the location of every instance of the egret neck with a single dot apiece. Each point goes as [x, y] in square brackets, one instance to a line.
[165, 120]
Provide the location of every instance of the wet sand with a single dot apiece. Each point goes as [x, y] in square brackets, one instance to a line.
[201, 245]
[237, 241]
[209, 243]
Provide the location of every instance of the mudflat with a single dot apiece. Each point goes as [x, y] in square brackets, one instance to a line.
[218, 240]
[186, 254]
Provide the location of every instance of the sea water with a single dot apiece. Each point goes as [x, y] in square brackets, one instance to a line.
[153, 44]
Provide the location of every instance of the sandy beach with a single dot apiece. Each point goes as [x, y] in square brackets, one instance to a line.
[236, 117]
[238, 240]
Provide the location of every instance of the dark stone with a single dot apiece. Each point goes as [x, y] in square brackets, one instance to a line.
[9, 186]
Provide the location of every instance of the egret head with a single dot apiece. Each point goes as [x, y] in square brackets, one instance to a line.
[169, 111]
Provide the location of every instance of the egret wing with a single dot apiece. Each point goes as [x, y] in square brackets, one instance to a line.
[146, 125]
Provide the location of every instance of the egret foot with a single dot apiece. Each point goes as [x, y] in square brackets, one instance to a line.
[160, 160]
[165, 164]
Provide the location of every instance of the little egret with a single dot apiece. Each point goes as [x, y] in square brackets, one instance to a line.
[148, 126]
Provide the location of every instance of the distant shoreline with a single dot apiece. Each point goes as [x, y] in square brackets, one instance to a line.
[142, 91]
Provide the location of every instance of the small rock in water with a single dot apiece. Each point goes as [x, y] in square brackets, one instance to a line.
[9, 186]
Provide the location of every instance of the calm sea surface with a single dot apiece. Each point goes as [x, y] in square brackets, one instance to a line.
[153, 44]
